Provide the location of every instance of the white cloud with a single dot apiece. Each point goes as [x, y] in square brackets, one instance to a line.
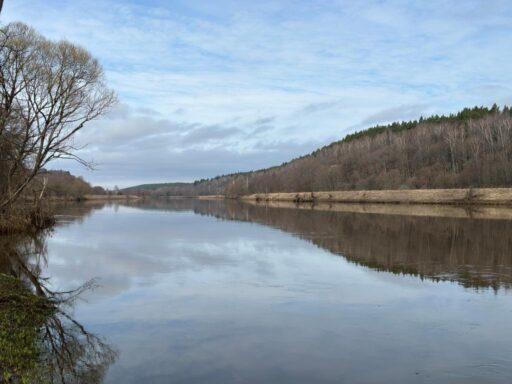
[196, 75]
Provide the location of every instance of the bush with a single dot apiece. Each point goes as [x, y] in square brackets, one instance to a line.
[26, 218]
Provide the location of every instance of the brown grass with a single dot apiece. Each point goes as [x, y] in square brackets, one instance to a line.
[25, 218]
[418, 210]
[211, 197]
[111, 197]
[477, 196]
[92, 197]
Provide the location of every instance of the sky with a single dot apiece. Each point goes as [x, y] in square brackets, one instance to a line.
[209, 87]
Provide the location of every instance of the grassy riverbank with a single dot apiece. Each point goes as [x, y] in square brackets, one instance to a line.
[26, 218]
[476, 196]
[111, 197]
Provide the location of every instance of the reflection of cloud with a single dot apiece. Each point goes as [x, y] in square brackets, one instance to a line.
[127, 245]
[209, 300]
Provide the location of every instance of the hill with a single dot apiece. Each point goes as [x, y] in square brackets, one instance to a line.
[152, 188]
[472, 148]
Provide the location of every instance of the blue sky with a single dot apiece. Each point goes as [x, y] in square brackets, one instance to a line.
[216, 86]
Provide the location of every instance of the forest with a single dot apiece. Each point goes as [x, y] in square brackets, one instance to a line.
[62, 184]
[472, 148]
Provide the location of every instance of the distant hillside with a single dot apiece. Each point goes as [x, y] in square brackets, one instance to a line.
[472, 148]
[143, 188]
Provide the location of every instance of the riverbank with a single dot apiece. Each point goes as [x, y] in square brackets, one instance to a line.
[469, 196]
[211, 197]
[24, 218]
[27, 217]
[111, 197]
[95, 198]
[488, 212]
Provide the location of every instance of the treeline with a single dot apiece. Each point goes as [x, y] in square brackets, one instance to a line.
[472, 148]
[63, 184]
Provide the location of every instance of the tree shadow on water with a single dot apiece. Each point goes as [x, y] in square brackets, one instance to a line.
[40, 340]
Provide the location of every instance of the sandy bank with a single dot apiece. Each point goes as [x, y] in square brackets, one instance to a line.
[420, 210]
[111, 197]
[476, 196]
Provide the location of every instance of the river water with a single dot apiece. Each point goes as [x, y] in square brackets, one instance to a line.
[195, 291]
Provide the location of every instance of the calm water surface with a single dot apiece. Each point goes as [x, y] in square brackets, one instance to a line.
[222, 292]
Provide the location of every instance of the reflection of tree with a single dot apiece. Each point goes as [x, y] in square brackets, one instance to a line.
[22, 316]
[473, 252]
[40, 339]
[69, 212]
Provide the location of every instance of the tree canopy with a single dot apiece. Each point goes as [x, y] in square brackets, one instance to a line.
[48, 92]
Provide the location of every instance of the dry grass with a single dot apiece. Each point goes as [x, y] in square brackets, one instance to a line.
[419, 210]
[25, 218]
[211, 197]
[92, 197]
[111, 197]
[477, 196]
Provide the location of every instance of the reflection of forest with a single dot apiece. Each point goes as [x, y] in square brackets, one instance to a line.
[474, 252]
[46, 344]
[72, 211]
[40, 341]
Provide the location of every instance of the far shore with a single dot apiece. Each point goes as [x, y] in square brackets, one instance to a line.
[95, 198]
[465, 196]
[211, 197]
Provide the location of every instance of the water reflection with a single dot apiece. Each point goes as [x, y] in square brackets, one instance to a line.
[192, 292]
[198, 291]
[41, 341]
[438, 243]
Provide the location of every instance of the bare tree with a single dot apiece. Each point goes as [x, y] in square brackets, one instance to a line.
[48, 92]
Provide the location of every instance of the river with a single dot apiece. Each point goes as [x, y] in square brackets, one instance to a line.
[195, 291]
